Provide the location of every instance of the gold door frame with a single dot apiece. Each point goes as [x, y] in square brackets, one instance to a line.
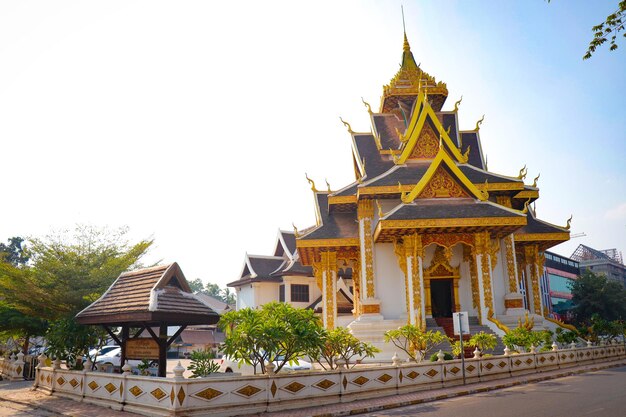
[441, 269]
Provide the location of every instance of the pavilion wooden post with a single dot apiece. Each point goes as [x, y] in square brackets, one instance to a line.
[162, 350]
[125, 332]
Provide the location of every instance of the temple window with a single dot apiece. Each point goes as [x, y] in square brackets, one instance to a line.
[299, 293]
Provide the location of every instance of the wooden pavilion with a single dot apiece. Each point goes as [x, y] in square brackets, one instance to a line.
[148, 299]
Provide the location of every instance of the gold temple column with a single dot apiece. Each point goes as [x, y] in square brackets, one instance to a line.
[483, 262]
[533, 263]
[356, 282]
[469, 256]
[328, 269]
[409, 254]
[365, 213]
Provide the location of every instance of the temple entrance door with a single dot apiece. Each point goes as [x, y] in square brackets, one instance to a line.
[441, 297]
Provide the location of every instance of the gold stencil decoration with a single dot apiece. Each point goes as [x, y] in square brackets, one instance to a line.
[360, 381]
[344, 382]
[293, 387]
[180, 396]
[249, 390]
[73, 382]
[384, 378]
[172, 395]
[93, 385]
[158, 393]
[19, 370]
[431, 373]
[48, 379]
[61, 381]
[273, 388]
[454, 370]
[471, 368]
[427, 144]
[324, 384]
[529, 361]
[208, 394]
[110, 388]
[442, 185]
[136, 391]
[489, 366]
[502, 364]
[401, 376]
[412, 375]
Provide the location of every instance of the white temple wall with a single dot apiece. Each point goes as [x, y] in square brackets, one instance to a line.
[314, 291]
[266, 292]
[245, 297]
[389, 282]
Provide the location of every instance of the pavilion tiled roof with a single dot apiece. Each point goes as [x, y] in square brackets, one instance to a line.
[148, 295]
[337, 226]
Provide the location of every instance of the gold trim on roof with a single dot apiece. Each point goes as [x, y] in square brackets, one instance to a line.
[449, 223]
[320, 243]
[537, 237]
[342, 199]
[442, 158]
[524, 195]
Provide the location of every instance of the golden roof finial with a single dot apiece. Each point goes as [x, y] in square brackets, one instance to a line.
[569, 222]
[456, 105]
[536, 179]
[346, 124]
[485, 192]
[328, 185]
[311, 182]
[522, 173]
[401, 136]
[295, 230]
[369, 108]
[403, 195]
[394, 157]
[466, 154]
[480, 122]
[525, 210]
[406, 47]
[380, 210]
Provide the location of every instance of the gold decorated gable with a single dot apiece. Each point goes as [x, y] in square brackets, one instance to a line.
[427, 144]
[442, 185]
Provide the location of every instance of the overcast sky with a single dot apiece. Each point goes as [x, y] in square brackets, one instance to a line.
[193, 122]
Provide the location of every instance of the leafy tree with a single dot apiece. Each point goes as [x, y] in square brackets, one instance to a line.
[337, 344]
[68, 272]
[565, 337]
[609, 29]
[202, 363]
[196, 285]
[224, 295]
[595, 294]
[414, 341]
[14, 252]
[275, 332]
[20, 327]
[70, 341]
[483, 341]
[522, 338]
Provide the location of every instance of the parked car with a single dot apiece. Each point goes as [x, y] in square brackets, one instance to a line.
[113, 358]
[97, 353]
[228, 365]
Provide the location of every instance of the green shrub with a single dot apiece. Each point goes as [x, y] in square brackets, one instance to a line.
[446, 357]
[202, 363]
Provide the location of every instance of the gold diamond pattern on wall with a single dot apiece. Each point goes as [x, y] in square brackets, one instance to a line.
[208, 394]
[172, 395]
[502, 364]
[180, 396]
[551, 357]
[110, 387]
[360, 381]
[293, 387]
[412, 375]
[489, 365]
[48, 379]
[248, 390]
[542, 359]
[73, 382]
[93, 385]
[19, 370]
[529, 361]
[563, 356]
[324, 384]
[61, 380]
[384, 378]
[517, 362]
[273, 389]
[454, 370]
[344, 382]
[136, 391]
[431, 373]
[401, 376]
[158, 393]
[471, 368]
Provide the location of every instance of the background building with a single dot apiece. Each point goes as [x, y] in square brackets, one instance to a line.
[608, 262]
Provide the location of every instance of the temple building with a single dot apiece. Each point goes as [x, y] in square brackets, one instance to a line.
[424, 230]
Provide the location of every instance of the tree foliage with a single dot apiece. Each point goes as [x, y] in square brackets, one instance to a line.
[414, 341]
[14, 252]
[224, 295]
[68, 272]
[196, 285]
[202, 363]
[595, 294]
[609, 30]
[483, 341]
[339, 343]
[274, 332]
[522, 338]
[70, 341]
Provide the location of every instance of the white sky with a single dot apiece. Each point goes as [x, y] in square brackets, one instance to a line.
[194, 121]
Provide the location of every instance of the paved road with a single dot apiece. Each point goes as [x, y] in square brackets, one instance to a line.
[601, 393]
[18, 410]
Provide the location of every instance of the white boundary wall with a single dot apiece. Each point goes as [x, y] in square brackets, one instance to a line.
[235, 395]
